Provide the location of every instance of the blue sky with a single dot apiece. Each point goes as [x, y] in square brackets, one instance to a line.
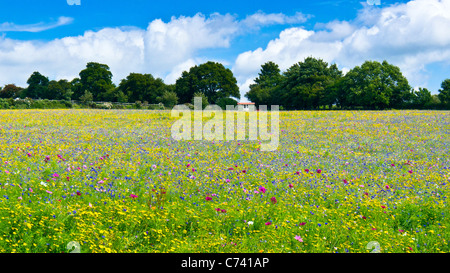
[165, 38]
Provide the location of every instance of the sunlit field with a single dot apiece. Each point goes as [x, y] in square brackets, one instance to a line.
[116, 181]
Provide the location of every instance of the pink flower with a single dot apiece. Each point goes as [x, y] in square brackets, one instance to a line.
[298, 238]
[291, 186]
[319, 170]
[55, 175]
[302, 224]
[387, 187]
[345, 181]
[393, 165]
[268, 223]
[262, 189]
[306, 170]
[383, 207]
[133, 196]
[273, 200]
[224, 211]
[410, 171]
[78, 193]
[101, 182]
[49, 192]
[217, 209]
[228, 180]
[188, 165]
[208, 198]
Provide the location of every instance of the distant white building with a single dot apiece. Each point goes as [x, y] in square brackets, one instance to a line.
[246, 105]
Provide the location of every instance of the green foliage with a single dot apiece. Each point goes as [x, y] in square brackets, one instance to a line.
[169, 99]
[142, 87]
[270, 78]
[444, 93]
[375, 85]
[10, 91]
[422, 99]
[307, 85]
[204, 98]
[87, 97]
[97, 79]
[212, 79]
[223, 102]
[37, 87]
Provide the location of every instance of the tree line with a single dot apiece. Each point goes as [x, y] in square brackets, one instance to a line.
[313, 84]
[307, 85]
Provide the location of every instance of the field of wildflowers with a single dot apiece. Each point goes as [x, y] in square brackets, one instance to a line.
[115, 181]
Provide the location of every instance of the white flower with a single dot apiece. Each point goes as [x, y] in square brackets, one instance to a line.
[250, 222]
[43, 184]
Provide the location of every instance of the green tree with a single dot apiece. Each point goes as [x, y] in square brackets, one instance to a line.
[269, 78]
[37, 87]
[223, 102]
[444, 93]
[87, 97]
[60, 90]
[375, 85]
[421, 98]
[168, 98]
[142, 87]
[211, 78]
[97, 79]
[308, 85]
[10, 91]
[205, 101]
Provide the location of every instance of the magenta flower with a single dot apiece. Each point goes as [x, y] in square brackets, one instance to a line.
[410, 171]
[262, 189]
[224, 211]
[133, 196]
[302, 224]
[273, 200]
[55, 175]
[345, 181]
[306, 170]
[291, 186]
[319, 170]
[387, 187]
[208, 198]
[228, 180]
[268, 223]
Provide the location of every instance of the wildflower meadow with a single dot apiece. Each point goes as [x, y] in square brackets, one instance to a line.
[90, 180]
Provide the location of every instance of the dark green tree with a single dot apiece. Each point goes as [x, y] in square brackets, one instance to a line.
[60, 90]
[308, 85]
[168, 98]
[421, 99]
[211, 78]
[10, 91]
[444, 94]
[269, 78]
[375, 85]
[97, 79]
[37, 87]
[204, 98]
[142, 87]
